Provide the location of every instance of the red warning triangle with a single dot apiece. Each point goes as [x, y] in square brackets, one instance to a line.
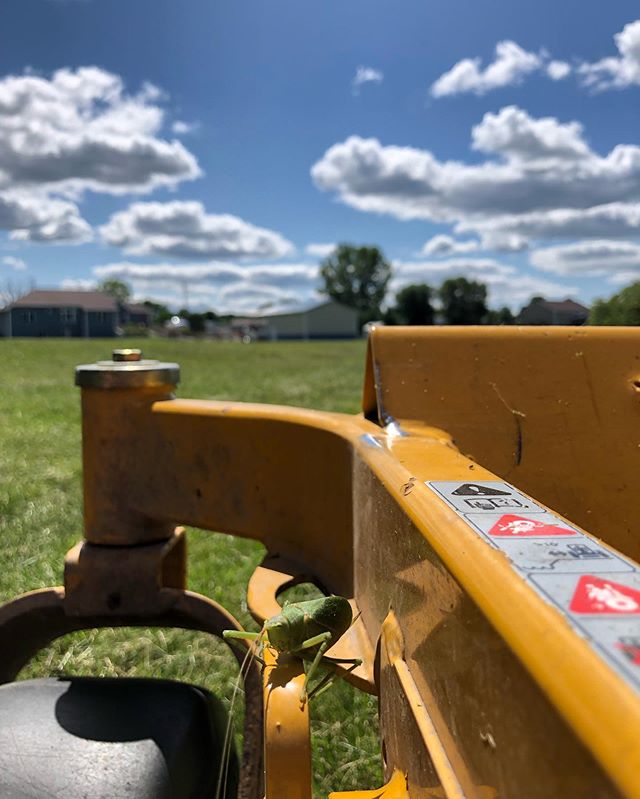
[595, 595]
[519, 526]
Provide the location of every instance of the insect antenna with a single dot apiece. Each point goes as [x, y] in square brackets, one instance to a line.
[248, 660]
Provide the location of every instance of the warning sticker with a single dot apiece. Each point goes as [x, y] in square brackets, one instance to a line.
[597, 589]
[601, 593]
[482, 497]
[595, 595]
[509, 525]
[618, 639]
[562, 555]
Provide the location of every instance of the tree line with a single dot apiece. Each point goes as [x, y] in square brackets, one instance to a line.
[359, 277]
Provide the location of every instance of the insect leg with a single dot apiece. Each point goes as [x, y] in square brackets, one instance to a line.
[355, 661]
[241, 634]
[328, 679]
[324, 643]
[317, 639]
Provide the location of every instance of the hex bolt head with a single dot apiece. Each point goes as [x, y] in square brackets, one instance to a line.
[127, 355]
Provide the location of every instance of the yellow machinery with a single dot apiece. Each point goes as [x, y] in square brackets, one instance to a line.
[481, 515]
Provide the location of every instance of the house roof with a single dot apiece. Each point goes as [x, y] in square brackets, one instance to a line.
[132, 308]
[564, 305]
[313, 305]
[50, 298]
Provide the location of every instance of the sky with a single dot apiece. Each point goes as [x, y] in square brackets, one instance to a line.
[212, 152]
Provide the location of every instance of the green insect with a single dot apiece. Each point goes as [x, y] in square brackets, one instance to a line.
[307, 630]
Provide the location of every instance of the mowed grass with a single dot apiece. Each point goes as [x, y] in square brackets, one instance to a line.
[41, 517]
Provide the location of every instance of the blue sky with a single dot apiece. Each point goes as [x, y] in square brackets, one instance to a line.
[226, 146]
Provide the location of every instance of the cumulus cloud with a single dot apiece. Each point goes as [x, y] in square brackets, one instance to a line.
[14, 263]
[185, 230]
[228, 287]
[366, 75]
[80, 130]
[446, 245]
[615, 220]
[39, 218]
[616, 72]
[538, 172]
[510, 65]
[505, 284]
[320, 250]
[78, 284]
[181, 128]
[589, 258]
[558, 70]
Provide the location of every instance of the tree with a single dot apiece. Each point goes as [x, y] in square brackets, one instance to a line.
[413, 305]
[464, 302]
[622, 308]
[500, 317]
[160, 312]
[117, 289]
[357, 277]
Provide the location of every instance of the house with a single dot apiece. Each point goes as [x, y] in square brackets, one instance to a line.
[324, 320]
[60, 313]
[546, 312]
[137, 315]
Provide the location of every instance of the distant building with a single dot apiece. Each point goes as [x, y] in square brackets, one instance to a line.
[138, 315]
[80, 314]
[546, 312]
[327, 320]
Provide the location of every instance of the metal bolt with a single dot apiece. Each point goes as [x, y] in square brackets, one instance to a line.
[127, 355]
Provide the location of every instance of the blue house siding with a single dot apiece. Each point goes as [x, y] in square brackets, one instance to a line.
[62, 322]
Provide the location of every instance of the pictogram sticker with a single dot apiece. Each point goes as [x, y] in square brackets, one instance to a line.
[476, 490]
[567, 567]
[482, 497]
[629, 645]
[520, 526]
[567, 554]
[596, 595]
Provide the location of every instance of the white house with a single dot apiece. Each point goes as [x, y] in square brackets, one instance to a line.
[326, 320]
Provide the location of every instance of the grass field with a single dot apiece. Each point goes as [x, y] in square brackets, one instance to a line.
[41, 516]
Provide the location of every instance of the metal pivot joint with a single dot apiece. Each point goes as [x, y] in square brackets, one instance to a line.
[127, 369]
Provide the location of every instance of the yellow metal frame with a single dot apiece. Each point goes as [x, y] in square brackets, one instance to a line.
[480, 680]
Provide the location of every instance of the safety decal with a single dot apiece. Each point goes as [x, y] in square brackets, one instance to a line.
[594, 595]
[518, 526]
[561, 555]
[597, 589]
[482, 497]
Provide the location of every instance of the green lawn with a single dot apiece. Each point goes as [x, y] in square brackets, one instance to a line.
[41, 516]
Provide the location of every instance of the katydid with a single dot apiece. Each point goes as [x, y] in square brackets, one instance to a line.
[307, 630]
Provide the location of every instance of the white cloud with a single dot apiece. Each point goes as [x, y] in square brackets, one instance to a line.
[558, 70]
[227, 287]
[505, 285]
[79, 130]
[616, 72]
[78, 284]
[14, 263]
[32, 216]
[589, 258]
[184, 230]
[366, 75]
[218, 272]
[181, 128]
[520, 138]
[541, 173]
[446, 245]
[611, 220]
[511, 64]
[503, 241]
[320, 250]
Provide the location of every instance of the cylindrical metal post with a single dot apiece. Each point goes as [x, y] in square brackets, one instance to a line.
[116, 399]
